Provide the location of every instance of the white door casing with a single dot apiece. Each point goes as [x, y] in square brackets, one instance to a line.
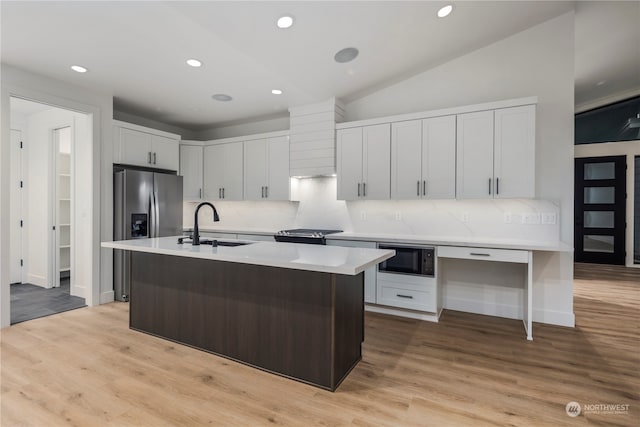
[15, 248]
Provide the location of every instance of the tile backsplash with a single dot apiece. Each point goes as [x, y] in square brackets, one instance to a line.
[317, 207]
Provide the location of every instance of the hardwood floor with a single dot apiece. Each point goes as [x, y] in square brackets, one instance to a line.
[86, 368]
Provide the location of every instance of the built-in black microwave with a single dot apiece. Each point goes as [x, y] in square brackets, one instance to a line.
[415, 260]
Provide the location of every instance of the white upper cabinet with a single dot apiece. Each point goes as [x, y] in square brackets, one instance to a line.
[514, 158]
[423, 158]
[223, 171]
[406, 160]
[496, 153]
[279, 184]
[439, 158]
[165, 152]
[363, 159]
[349, 163]
[266, 169]
[191, 163]
[139, 146]
[475, 155]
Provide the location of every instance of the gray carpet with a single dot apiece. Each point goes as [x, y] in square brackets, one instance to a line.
[30, 302]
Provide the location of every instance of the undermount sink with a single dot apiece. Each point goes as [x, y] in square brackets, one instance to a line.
[233, 243]
[214, 242]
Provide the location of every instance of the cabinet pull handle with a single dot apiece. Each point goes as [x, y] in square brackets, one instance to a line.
[149, 157]
[262, 194]
[364, 189]
[489, 185]
[266, 191]
[219, 193]
[479, 254]
[418, 188]
[404, 296]
[497, 185]
[154, 158]
[201, 193]
[358, 189]
[223, 192]
[424, 188]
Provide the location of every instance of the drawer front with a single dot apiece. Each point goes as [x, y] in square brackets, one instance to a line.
[484, 254]
[408, 298]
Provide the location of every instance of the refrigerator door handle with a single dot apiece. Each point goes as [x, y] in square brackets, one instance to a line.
[152, 220]
[156, 221]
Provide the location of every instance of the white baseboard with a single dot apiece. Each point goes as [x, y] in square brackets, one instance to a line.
[106, 297]
[430, 317]
[487, 308]
[559, 318]
[37, 280]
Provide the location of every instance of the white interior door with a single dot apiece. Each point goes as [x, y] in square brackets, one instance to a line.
[15, 245]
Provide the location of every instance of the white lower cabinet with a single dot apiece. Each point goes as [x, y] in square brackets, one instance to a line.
[405, 291]
[369, 273]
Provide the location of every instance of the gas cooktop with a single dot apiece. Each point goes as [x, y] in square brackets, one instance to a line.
[304, 235]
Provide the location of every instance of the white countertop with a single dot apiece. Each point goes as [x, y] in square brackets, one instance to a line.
[234, 230]
[326, 259]
[479, 242]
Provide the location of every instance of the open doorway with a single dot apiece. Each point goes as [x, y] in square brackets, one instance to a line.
[42, 251]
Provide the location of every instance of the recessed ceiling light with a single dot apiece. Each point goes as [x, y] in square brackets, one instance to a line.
[194, 63]
[276, 91]
[79, 69]
[445, 11]
[285, 21]
[221, 97]
[601, 82]
[345, 55]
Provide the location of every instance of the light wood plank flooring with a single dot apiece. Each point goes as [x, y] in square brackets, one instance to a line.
[86, 368]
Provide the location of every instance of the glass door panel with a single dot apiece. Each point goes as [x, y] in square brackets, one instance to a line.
[597, 195]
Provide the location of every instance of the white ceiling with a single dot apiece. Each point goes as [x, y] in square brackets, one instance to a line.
[137, 50]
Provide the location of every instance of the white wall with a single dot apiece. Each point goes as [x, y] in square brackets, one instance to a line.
[630, 149]
[154, 124]
[96, 177]
[242, 129]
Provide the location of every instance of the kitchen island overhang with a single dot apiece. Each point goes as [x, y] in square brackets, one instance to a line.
[292, 309]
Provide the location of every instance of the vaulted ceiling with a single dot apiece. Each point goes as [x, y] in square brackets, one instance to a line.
[137, 50]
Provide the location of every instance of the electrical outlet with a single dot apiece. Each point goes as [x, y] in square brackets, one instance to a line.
[465, 217]
[531, 218]
[363, 216]
[398, 216]
[508, 218]
[549, 218]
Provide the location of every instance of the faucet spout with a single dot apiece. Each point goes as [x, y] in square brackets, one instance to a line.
[196, 229]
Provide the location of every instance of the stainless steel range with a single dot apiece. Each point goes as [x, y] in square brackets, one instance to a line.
[304, 235]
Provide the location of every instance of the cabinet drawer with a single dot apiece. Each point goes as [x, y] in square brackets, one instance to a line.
[408, 298]
[483, 254]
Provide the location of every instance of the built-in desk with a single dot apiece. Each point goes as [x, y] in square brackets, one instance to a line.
[499, 255]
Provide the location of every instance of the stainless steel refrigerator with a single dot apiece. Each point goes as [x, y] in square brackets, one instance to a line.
[146, 204]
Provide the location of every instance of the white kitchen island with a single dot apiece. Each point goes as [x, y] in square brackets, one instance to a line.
[292, 309]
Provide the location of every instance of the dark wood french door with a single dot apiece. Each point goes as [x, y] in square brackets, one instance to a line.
[600, 204]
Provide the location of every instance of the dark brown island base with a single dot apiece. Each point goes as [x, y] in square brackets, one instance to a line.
[304, 325]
